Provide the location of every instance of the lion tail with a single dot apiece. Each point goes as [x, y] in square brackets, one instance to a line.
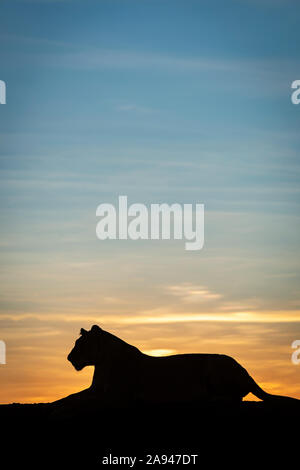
[262, 395]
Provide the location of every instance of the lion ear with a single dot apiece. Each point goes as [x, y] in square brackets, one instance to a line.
[95, 329]
[83, 332]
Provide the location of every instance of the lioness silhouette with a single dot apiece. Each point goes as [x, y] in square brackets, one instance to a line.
[123, 374]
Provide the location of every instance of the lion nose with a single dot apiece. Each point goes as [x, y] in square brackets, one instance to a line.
[69, 357]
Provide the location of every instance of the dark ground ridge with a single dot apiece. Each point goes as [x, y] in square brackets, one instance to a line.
[219, 432]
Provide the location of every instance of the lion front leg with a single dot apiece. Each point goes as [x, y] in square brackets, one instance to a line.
[74, 404]
[74, 397]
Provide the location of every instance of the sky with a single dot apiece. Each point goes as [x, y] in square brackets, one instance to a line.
[163, 101]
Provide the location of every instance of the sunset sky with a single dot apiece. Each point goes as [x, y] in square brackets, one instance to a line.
[163, 101]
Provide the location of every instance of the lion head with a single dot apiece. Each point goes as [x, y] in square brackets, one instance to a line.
[85, 351]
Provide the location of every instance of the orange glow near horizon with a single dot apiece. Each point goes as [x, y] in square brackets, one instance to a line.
[37, 369]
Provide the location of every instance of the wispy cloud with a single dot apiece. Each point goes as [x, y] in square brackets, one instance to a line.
[72, 55]
[132, 107]
[242, 69]
[192, 293]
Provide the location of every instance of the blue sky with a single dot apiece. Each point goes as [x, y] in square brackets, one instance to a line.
[163, 101]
